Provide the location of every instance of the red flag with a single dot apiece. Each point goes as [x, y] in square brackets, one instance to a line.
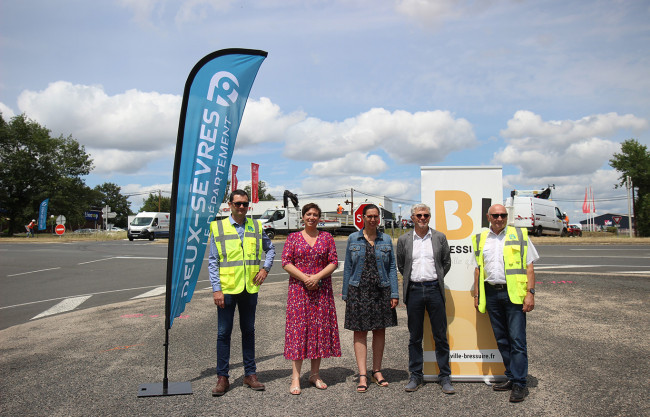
[255, 172]
[593, 202]
[585, 205]
[233, 180]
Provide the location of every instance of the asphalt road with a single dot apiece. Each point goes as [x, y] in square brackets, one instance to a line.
[43, 279]
[587, 337]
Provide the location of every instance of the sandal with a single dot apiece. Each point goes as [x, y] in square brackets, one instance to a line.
[295, 389]
[361, 387]
[381, 382]
[317, 382]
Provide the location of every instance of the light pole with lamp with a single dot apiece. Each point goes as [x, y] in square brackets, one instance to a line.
[400, 216]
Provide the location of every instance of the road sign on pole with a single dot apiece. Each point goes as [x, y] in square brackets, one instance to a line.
[60, 219]
[358, 217]
[617, 219]
[60, 229]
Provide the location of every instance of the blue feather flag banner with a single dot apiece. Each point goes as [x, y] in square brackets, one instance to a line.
[42, 214]
[215, 95]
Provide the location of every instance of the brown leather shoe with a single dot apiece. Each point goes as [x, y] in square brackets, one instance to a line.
[222, 386]
[251, 382]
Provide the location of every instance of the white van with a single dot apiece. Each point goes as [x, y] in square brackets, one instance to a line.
[538, 215]
[149, 225]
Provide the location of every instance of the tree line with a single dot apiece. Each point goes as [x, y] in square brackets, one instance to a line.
[34, 166]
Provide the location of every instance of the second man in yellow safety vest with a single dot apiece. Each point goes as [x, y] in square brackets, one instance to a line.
[504, 286]
[236, 246]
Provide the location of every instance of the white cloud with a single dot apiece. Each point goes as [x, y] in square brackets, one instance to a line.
[107, 161]
[558, 148]
[432, 12]
[355, 163]
[197, 10]
[427, 10]
[530, 127]
[133, 120]
[422, 137]
[142, 9]
[7, 112]
[263, 121]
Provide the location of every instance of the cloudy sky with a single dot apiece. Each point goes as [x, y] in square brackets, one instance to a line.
[354, 93]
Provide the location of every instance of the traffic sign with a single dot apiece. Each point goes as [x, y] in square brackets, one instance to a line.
[60, 219]
[358, 217]
[111, 215]
[60, 229]
[617, 219]
[106, 209]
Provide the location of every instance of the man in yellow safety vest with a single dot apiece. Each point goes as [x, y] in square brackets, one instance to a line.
[504, 285]
[236, 246]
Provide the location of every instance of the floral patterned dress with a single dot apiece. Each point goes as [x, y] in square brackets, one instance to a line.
[312, 330]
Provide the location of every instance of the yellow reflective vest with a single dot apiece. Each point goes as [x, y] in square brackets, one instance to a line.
[515, 250]
[239, 261]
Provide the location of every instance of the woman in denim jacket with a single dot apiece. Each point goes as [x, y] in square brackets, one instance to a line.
[370, 292]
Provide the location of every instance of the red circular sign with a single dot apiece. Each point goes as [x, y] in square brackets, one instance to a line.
[60, 229]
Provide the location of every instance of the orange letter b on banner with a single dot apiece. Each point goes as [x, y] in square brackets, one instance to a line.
[464, 202]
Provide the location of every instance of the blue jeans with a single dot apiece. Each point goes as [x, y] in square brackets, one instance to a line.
[427, 297]
[246, 304]
[509, 326]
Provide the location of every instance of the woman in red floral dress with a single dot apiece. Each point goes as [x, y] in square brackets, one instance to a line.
[312, 331]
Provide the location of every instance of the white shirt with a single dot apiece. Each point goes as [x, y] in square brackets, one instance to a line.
[495, 272]
[423, 267]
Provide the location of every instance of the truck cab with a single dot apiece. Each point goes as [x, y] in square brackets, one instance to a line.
[285, 220]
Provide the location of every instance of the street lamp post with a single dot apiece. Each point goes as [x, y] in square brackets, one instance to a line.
[400, 216]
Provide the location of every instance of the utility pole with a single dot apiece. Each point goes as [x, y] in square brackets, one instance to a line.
[628, 186]
[159, 198]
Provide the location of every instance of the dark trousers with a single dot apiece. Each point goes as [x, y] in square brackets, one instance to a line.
[509, 325]
[246, 304]
[427, 296]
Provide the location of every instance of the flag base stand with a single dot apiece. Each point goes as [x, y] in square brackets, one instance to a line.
[158, 389]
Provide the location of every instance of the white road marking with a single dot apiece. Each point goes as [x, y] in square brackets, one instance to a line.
[151, 293]
[596, 256]
[564, 266]
[95, 293]
[558, 266]
[32, 272]
[122, 257]
[66, 305]
[609, 250]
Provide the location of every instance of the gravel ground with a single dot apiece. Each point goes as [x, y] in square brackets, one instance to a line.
[588, 350]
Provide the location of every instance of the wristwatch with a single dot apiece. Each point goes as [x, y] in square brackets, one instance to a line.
[532, 291]
[269, 269]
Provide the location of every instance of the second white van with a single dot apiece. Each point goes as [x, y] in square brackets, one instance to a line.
[538, 215]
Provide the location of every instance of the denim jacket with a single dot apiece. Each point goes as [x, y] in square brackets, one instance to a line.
[355, 256]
